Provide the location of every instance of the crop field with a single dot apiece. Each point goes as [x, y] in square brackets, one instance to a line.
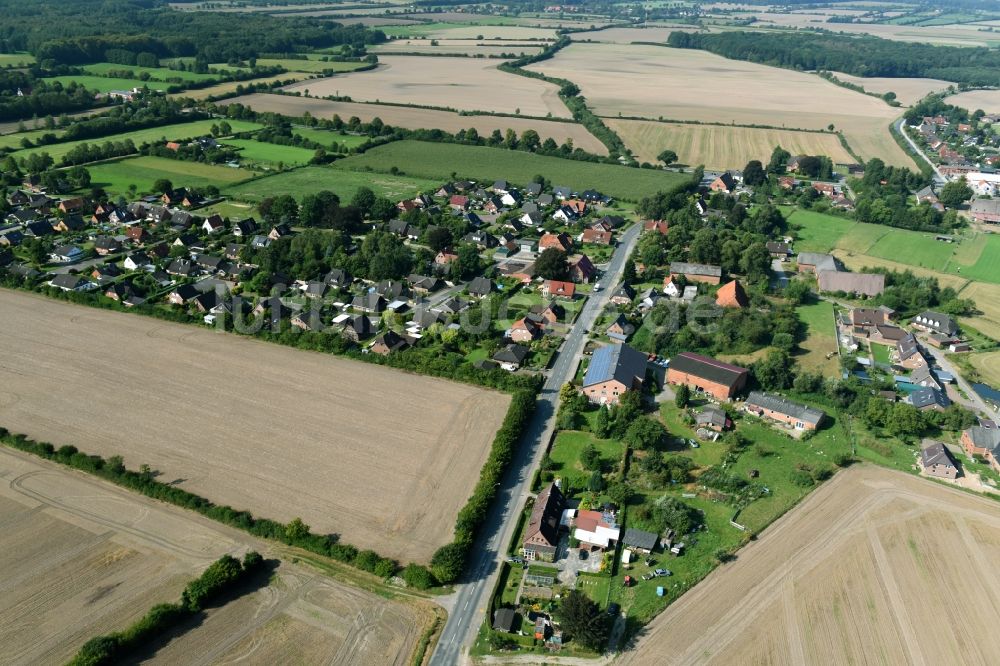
[89, 558]
[105, 84]
[908, 91]
[415, 118]
[116, 176]
[460, 31]
[383, 458]
[311, 179]
[868, 562]
[467, 47]
[310, 66]
[681, 84]
[270, 153]
[438, 160]
[627, 35]
[467, 84]
[988, 365]
[987, 100]
[720, 146]
[176, 132]
[987, 298]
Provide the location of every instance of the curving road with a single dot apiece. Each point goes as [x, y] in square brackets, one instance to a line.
[938, 178]
[467, 607]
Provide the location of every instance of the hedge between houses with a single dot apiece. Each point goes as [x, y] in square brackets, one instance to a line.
[294, 534]
[449, 561]
[220, 577]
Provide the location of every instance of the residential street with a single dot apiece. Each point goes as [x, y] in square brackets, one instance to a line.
[468, 605]
[938, 178]
[976, 402]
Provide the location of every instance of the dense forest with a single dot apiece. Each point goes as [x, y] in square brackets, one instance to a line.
[852, 54]
[74, 32]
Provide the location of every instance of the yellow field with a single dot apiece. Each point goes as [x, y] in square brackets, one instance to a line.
[908, 91]
[720, 146]
[682, 84]
[987, 100]
[988, 365]
[470, 47]
[987, 298]
[875, 567]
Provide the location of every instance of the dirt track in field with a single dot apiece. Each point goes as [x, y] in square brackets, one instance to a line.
[81, 557]
[875, 566]
[383, 458]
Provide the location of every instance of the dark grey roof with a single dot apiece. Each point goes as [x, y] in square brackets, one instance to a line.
[937, 321]
[619, 362]
[512, 353]
[503, 619]
[984, 438]
[711, 415]
[686, 268]
[481, 286]
[708, 368]
[936, 453]
[66, 281]
[782, 405]
[927, 396]
[639, 538]
[822, 262]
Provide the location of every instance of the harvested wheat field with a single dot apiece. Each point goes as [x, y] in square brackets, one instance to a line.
[413, 118]
[908, 91]
[987, 100]
[466, 84]
[381, 457]
[683, 84]
[82, 557]
[988, 365]
[876, 566]
[720, 146]
[987, 298]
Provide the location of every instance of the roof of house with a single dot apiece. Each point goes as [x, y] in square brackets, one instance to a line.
[639, 538]
[732, 295]
[867, 317]
[868, 284]
[778, 248]
[545, 515]
[560, 288]
[936, 453]
[777, 403]
[503, 619]
[984, 438]
[927, 396]
[938, 321]
[616, 362]
[512, 353]
[481, 285]
[707, 368]
[822, 262]
[711, 415]
[685, 268]
[986, 206]
[66, 281]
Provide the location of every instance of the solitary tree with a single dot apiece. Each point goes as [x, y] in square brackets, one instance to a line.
[163, 186]
[668, 157]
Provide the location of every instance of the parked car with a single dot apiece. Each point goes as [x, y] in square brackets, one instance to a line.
[663, 572]
[613, 609]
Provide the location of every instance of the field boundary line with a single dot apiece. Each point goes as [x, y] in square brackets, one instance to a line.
[887, 581]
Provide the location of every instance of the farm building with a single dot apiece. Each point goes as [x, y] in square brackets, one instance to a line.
[707, 375]
[732, 295]
[859, 284]
[542, 536]
[986, 210]
[713, 418]
[936, 460]
[697, 272]
[640, 540]
[812, 262]
[613, 370]
[778, 408]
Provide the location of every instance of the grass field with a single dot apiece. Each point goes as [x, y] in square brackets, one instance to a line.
[987, 266]
[105, 84]
[235, 87]
[270, 153]
[468, 47]
[988, 365]
[89, 558]
[720, 146]
[416, 118]
[987, 297]
[155, 73]
[566, 455]
[818, 232]
[330, 138]
[383, 458]
[116, 176]
[655, 82]
[176, 132]
[312, 179]
[867, 561]
[305, 66]
[438, 160]
[464, 84]
[820, 339]
[16, 59]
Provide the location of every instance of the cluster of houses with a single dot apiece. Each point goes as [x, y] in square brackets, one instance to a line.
[981, 441]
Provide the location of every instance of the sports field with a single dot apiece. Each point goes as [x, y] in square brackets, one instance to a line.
[987, 100]
[116, 176]
[439, 160]
[656, 82]
[270, 153]
[857, 573]
[381, 457]
[465, 84]
[414, 118]
[176, 132]
[311, 179]
[720, 146]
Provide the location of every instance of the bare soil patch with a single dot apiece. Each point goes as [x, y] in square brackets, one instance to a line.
[468, 84]
[858, 573]
[383, 458]
[414, 118]
[682, 84]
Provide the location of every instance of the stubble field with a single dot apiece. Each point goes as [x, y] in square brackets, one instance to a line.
[987, 100]
[383, 458]
[469, 84]
[469, 47]
[642, 81]
[908, 91]
[876, 566]
[720, 146]
[414, 118]
[81, 557]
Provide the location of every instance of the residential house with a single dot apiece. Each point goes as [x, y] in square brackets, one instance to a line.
[558, 289]
[260, 242]
[104, 273]
[562, 193]
[857, 284]
[929, 398]
[984, 442]
[38, 229]
[657, 226]
[279, 231]
[182, 267]
[529, 219]
[935, 322]
[370, 302]
[70, 223]
[723, 183]
[596, 237]
[233, 251]
[245, 228]
[620, 329]
[389, 342]
[391, 290]
[105, 245]
[696, 272]
[778, 408]
[213, 225]
[732, 295]
[648, 299]
[548, 313]
[357, 327]
[445, 257]
[183, 294]
[72, 205]
[504, 620]
[581, 269]
[640, 540]
[922, 376]
[338, 278]
[671, 288]
[595, 530]
[511, 357]
[541, 538]
[624, 295]
[936, 460]
[137, 261]
[67, 254]
[778, 250]
[525, 330]
[459, 202]
[11, 238]
[68, 282]
[533, 189]
[865, 320]
[560, 242]
[613, 370]
[707, 375]
[482, 239]
[480, 287]
[564, 214]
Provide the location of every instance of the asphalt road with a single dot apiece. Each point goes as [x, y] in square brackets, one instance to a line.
[468, 605]
[938, 178]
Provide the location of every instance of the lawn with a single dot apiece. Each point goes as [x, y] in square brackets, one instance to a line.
[820, 338]
[13, 141]
[116, 176]
[270, 153]
[819, 232]
[566, 456]
[440, 160]
[155, 73]
[176, 132]
[105, 84]
[310, 179]
[880, 353]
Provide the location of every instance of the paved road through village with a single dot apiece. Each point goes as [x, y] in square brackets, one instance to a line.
[468, 605]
